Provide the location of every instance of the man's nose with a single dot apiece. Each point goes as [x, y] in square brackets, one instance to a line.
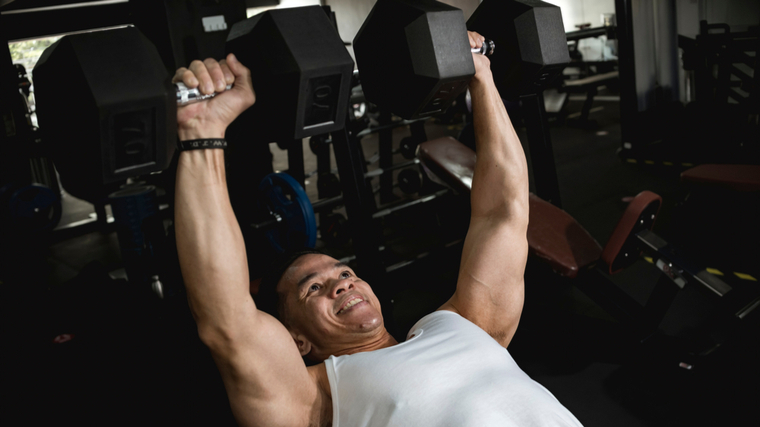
[342, 286]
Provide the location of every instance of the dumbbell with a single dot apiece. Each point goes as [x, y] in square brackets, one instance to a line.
[408, 147]
[107, 109]
[410, 180]
[414, 56]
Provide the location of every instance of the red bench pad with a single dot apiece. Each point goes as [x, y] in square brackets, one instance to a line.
[450, 161]
[559, 240]
[553, 235]
[734, 177]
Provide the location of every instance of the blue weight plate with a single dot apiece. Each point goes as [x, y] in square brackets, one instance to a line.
[285, 197]
[35, 208]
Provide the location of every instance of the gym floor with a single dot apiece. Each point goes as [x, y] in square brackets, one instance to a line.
[135, 360]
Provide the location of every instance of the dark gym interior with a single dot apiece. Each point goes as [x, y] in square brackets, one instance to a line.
[661, 97]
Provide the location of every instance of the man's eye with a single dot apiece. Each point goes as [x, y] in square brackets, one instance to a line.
[313, 288]
[345, 275]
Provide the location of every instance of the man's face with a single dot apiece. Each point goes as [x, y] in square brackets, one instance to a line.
[327, 307]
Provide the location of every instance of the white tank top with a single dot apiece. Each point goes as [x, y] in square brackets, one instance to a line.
[448, 372]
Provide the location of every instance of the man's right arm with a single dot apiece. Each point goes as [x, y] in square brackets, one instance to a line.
[265, 377]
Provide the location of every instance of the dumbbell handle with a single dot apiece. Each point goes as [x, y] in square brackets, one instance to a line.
[486, 49]
[187, 96]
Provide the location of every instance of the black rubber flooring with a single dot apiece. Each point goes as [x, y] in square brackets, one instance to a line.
[82, 348]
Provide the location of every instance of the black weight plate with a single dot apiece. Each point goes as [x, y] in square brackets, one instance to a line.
[409, 181]
[408, 147]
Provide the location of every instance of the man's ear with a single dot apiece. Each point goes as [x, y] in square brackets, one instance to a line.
[303, 344]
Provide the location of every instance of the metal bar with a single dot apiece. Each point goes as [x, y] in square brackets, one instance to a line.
[323, 204]
[665, 250]
[384, 171]
[747, 309]
[629, 109]
[22, 24]
[588, 33]
[399, 123]
[295, 161]
[385, 149]
[541, 152]
[388, 211]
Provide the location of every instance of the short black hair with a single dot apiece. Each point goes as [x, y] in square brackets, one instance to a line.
[268, 299]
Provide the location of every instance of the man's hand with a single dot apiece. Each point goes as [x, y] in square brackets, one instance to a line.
[482, 63]
[210, 119]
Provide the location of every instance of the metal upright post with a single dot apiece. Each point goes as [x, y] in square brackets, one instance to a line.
[541, 153]
[629, 109]
[360, 204]
[385, 150]
[295, 161]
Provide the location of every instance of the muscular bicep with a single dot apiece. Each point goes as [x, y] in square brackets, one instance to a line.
[490, 287]
[266, 380]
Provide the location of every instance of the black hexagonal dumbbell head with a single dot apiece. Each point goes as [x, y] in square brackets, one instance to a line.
[301, 72]
[107, 109]
[413, 56]
[531, 46]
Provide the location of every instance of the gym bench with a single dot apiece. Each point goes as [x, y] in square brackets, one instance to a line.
[558, 240]
[590, 86]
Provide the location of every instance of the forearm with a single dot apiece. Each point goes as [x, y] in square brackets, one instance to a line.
[500, 183]
[210, 244]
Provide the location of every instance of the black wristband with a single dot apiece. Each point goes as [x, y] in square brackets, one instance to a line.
[201, 144]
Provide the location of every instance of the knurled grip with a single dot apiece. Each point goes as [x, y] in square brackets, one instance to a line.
[187, 96]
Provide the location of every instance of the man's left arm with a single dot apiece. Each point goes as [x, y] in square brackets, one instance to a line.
[490, 287]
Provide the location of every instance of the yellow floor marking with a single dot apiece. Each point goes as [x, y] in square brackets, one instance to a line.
[631, 160]
[688, 165]
[649, 259]
[745, 276]
[667, 163]
[714, 271]
[649, 162]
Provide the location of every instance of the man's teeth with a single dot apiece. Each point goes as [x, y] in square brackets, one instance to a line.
[350, 304]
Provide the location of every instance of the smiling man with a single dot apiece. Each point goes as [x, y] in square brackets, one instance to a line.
[452, 369]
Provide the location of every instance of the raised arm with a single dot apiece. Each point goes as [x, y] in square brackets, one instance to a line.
[490, 286]
[266, 380]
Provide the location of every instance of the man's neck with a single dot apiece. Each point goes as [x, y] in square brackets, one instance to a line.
[382, 340]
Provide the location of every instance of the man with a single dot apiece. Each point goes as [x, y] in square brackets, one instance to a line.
[452, 370]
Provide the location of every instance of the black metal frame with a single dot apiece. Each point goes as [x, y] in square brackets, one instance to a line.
[629, 110]
[359, 201]
[27, 25]
[541, 152]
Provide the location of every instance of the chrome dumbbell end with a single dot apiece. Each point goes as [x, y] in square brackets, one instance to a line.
[486, 48]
